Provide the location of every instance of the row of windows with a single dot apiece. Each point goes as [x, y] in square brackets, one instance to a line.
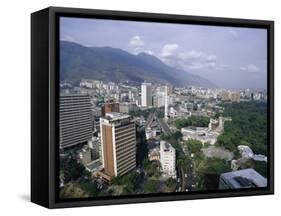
[126, 160]
[72, 136]
[126, 169]
[128, 141]
[76, 122]
[124, 138]
[127, 151]
[77, 130]
[122, 133]
[121, 128]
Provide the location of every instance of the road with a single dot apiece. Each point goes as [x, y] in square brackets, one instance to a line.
[160, 122]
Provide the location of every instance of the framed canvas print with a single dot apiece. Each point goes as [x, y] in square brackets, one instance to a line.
[139, 107]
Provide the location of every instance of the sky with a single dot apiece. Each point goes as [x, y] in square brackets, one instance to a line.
[230, 57]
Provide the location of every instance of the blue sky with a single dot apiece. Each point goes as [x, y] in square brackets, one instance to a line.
[231, 57]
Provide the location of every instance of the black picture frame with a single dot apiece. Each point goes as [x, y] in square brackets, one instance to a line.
[44, 100]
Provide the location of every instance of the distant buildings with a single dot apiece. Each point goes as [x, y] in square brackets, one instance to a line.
[146, 94]
[127, 107]
[118, 137]
[230, 96]
[109, 107]
[168, 159]
[245, 178]
[75, 120]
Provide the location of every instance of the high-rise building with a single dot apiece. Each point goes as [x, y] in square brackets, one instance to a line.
[109, 107]
[168, 159]
[146, 94]
[75, 120]
[118, 138]
[166, 103]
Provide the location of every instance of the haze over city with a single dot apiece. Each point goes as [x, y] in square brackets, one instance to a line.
[230, 57]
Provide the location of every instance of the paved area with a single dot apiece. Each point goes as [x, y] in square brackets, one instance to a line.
[217, 152]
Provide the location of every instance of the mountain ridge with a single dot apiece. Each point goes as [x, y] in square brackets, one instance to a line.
[114, 64]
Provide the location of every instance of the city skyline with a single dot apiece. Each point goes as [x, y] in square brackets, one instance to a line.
[230, 57]
[190, 115]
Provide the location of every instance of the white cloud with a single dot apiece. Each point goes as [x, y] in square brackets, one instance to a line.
[190, 60]
[168, 50]
[251, 68]
[136, 44]
[211, 58]
[136, 41]
[149, 52]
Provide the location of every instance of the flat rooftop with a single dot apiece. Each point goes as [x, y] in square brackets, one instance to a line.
[244, 178]
[165, 145]
[116, 116]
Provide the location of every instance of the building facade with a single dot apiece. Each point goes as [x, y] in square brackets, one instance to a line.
[168, 159]
[75, 120]
[118, 138]
[146, 94]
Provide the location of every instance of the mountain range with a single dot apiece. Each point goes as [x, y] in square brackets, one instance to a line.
[113, 64]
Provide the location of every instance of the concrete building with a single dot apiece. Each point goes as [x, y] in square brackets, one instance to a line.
[199, 133]
[168, 159]
[146, 94]
[75, 120]
[166, 103]
[159, 99]
[245, 178]
[118, 138]
[127, 107]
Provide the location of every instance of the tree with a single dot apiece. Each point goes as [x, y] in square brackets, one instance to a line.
[129, 181]
[208, 172]
[194, 146]
[151, 186]
[71, 169]
[171, 183]
[151, 169]
[214, 166]
[197, 121]
[248, 126]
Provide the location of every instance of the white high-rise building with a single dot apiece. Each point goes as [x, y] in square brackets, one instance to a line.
[166, 102]
[168, 159]
[146, 94]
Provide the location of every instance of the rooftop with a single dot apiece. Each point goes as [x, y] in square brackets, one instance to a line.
[113, 116]
[244, 178]
[166, 146]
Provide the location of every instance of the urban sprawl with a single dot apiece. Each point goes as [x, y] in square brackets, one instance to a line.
[142, 138]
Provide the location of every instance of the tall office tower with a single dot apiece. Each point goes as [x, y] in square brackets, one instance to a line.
[166, 103]
[118, 138]
[109, 107]
[146, 94]
[75, 119]
[168, 159]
